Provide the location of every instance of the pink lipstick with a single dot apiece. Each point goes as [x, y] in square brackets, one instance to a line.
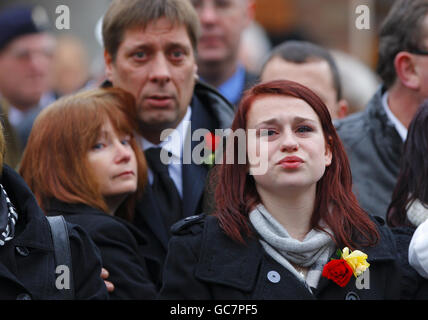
[290, 162]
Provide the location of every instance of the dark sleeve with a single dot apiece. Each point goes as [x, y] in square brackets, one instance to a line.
[179, 281]
[122, 257]
[413, 286]
[86, 264]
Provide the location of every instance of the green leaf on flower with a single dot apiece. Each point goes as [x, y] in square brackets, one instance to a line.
[209, 160]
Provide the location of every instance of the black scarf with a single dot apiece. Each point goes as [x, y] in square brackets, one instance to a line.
[8, 217]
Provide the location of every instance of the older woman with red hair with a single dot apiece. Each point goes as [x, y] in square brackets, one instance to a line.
[275, 230]
[82, 161]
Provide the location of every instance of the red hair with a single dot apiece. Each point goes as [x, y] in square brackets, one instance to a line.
[55, 163]
[335, 204]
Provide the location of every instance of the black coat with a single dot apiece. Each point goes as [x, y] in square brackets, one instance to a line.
[210, 110]
[203, 263]
[121, 246]
[27, 262]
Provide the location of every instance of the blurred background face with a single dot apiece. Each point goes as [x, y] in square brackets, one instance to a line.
[70, 58]
[297, 153]
[315, 75]
[113, 162]
[222, 22]
[25, 69]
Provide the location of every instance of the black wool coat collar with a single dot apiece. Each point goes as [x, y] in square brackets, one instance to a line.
[32, 227]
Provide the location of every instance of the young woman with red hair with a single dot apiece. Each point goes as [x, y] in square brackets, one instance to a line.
[274, 230]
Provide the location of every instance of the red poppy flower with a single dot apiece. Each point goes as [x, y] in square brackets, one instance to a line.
[211, 141]
[338, 271]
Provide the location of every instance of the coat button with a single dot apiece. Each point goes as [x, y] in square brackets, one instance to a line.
[23, 296]
[273, 276]
[352, 296]
[23, 251]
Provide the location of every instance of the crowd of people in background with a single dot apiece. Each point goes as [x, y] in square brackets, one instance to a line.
[92, 150]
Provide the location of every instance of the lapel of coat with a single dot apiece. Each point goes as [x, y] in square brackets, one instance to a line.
[228, 262]
[389, 149]
[5, 273]
[147, 212]
[194, 175]
[36, 237]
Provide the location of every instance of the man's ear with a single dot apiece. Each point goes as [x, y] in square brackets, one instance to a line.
[407, 70]
[108, 60]
[342, 108]
[195, 69]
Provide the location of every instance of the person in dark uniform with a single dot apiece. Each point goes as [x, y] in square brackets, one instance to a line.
[83, 161]
[26, 50]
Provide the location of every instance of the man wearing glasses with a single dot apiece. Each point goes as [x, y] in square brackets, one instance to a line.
[374, 138]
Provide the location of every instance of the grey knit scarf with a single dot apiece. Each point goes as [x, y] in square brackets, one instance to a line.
[313, 252]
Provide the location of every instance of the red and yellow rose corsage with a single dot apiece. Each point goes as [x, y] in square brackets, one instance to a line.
[340, 270]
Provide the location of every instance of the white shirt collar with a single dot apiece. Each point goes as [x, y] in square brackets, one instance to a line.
[16, 116]
[173, 143]
[401, 129]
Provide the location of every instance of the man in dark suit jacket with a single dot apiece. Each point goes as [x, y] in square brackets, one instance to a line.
[222, 25]
[150, 50]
